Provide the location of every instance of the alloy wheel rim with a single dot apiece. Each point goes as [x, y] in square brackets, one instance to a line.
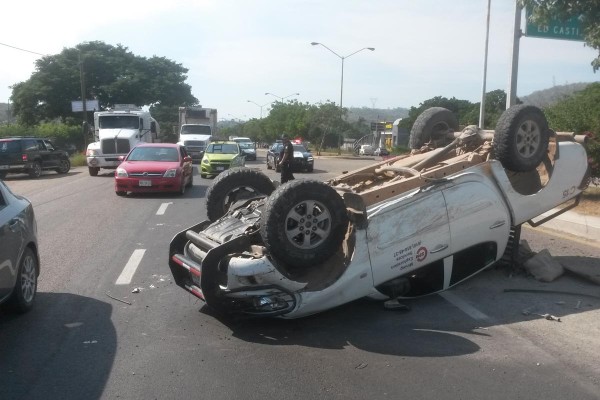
[308, 224]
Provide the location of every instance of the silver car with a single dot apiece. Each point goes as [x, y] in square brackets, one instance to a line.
[19, 259]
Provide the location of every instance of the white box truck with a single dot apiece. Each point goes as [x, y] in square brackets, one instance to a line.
[196, 127]
[116, 132]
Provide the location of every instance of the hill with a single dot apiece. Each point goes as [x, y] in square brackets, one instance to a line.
[548, 97]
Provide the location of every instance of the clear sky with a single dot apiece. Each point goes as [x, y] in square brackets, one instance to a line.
[237, 50]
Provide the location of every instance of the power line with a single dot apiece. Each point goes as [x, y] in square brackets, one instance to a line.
[27, 51]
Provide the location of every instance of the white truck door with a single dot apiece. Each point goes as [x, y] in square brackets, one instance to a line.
[406, 235]
[479, 228]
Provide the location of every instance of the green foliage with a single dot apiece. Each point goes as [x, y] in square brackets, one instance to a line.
[78, 160]
[587, 11]
[112, 75]
[62, 135]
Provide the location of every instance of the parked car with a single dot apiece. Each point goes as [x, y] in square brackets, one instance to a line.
[381, 151]
[19, 259]
[220, 156]
[154, 167]
[303, 158]
[396, 229]
[31, 155]
[365, 150]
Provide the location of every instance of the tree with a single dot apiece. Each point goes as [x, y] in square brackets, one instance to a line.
[112, 75]
[587, 11]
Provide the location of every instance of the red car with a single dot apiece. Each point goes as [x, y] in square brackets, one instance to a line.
[154, 167]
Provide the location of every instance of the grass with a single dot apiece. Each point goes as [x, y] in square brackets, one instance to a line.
[78, 160]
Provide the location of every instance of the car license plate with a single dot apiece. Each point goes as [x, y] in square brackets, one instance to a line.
[3, 166]
[145, 183]
[220, 168]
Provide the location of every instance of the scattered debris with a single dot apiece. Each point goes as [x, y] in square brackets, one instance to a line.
[90, 342]
[549, 317]
[114, 298]
[152, 287]
[544, 267]
[578, 305]
[361, 366]
[136, 290]
[394, 304]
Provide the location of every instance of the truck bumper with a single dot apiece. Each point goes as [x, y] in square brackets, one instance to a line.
[109, 162]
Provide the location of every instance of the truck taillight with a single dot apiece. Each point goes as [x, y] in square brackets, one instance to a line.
[24, 157]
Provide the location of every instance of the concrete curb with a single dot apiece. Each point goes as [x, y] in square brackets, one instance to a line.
[586, 226]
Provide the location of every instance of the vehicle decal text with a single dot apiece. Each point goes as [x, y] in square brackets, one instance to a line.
[405, 257]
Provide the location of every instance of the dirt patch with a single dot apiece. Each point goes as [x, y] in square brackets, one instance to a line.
[590, 202]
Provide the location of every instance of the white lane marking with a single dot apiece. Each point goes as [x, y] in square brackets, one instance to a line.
[130, 267]
[464, 306]
[163, 208]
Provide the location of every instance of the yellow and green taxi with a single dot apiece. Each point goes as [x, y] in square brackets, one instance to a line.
[220, 156]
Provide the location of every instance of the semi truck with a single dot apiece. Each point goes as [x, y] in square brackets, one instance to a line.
[196, 127]
[117, 131]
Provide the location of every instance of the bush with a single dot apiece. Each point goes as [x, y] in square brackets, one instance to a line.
[593, 151]
[78, 160]
[64, 136]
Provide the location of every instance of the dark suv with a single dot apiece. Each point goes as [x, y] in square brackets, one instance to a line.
[31, 155]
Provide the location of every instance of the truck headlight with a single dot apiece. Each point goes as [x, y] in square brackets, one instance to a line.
[171, 173]
[121, 173]
[91, 153]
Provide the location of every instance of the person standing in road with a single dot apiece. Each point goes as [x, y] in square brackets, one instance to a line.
[285, 159]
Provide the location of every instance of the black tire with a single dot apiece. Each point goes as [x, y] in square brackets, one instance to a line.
[36, 170]
[93, 171]
[294, 208]
[232, 185]
[310, 169]
[203, 176]
[521, 138]
[120, 193]
[64, 166]
[25, 290]
[432, 124]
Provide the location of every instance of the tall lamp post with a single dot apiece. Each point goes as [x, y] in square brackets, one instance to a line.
[261, 106]
[283, 98]
[342, 81]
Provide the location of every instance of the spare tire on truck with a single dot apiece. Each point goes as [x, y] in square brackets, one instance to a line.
[233, 185]
[304, 223]
[432, 125]
[521, 138]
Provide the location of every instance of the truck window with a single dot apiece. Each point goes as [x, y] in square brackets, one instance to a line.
[119, 122]
[196, 130]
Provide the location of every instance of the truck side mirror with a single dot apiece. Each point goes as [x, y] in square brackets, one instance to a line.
[141, 125]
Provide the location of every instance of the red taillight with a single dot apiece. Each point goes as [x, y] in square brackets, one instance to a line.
[24, 157]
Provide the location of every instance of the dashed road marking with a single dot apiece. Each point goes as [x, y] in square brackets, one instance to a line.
[163, 208]
[464, 306]
[131, 267]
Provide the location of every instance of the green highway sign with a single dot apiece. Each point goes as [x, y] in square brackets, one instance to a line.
[555, 29]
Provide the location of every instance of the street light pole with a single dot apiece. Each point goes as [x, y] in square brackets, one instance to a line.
[342, 80]
[283, 98]
[261, 107]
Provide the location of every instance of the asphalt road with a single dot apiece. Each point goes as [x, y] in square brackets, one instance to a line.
[472, 342]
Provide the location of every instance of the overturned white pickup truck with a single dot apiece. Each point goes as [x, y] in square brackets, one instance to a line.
[405, 227]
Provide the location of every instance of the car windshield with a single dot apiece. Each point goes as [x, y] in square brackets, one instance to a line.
[223, 148]
[277, 148]
[119, 122]
[168, 154]
[299, 147]
[246, 145]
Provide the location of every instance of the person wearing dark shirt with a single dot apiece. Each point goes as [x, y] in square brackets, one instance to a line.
[285, 159]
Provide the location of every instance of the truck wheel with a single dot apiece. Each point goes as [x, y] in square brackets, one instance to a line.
[232, 185]
[36, 170]
[432, 124]
[64, 166]
[93, 171]
[521, 138]
[304, 222]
